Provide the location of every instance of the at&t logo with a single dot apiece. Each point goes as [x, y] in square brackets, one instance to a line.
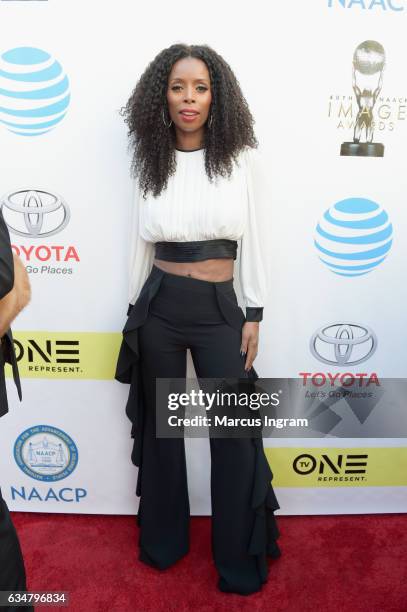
[34, 91]
[353, 237]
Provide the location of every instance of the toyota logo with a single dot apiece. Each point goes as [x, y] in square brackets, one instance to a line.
[34, 212]
[342, 344]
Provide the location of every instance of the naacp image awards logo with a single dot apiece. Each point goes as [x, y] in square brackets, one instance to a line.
[366, 112]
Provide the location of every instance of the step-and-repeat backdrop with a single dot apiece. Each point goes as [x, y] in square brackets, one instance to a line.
[327, 85]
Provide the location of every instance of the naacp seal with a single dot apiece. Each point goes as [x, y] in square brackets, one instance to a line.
[45, 453]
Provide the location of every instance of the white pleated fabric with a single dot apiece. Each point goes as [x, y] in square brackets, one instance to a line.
[192, 208]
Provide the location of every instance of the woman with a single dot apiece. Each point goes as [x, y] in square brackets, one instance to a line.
[15, 294]
[199, 189]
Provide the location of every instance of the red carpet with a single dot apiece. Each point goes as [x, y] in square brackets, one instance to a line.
[329, 564]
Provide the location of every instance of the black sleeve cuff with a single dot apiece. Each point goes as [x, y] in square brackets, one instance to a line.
[254, 314]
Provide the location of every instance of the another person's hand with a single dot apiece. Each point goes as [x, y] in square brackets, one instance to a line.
[17, 298]
[250, 342]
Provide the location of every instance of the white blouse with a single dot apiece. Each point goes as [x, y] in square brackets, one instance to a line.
[192, 208]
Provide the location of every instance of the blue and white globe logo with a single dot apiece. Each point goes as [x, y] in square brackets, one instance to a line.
[354, 236]
[45, 453]
[34, 91]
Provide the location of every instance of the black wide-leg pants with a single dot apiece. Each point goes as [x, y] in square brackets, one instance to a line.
[12, 570]
[185, 312]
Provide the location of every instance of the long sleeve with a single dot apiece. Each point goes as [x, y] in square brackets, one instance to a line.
[141, 252]
[253, 257]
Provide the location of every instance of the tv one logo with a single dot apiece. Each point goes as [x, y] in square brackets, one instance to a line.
[369, 5]
[49, 355]
[332, 467]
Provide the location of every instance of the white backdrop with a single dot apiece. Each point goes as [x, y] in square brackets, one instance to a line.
[290, 58]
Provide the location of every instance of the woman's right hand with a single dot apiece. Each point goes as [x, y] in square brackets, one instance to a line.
[250, 342]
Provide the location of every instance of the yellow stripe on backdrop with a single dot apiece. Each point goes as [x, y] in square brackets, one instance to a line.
[67, 355]
[338, 467]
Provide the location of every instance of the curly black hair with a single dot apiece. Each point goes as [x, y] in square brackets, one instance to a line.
[153, 144]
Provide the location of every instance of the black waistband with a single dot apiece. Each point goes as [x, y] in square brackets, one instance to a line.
[196, 250]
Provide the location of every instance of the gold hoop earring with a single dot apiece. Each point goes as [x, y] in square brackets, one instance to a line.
[166, 125]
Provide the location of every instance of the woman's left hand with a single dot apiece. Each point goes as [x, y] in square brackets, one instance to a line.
[250, 342]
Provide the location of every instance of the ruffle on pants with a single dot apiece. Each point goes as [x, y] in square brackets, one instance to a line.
[265, 532]
[128, 369]
[263, 540]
